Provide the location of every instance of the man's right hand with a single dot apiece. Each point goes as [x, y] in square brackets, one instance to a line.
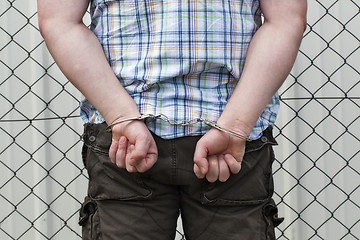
[133, 146]
[218, 154]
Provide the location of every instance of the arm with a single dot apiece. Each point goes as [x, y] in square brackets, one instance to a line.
[80, 56]
[269, 60]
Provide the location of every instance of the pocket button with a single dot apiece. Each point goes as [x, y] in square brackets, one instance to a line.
[92, 138]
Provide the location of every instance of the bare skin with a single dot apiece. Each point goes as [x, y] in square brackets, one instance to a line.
[80, 56]
[270, 58]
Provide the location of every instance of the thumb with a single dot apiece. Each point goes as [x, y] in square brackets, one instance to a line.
[139, 150]
[201, 164]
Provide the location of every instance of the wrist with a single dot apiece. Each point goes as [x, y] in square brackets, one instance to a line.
[116, 106]
[112, 115]
[235, 125]
[124, 121]
[121, 116]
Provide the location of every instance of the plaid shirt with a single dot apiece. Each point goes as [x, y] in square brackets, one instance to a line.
[179, 58]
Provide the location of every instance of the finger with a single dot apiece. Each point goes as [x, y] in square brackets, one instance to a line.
[112, 150]
[147, 162]
[213, 173]
[139, 151]
[234, 165]
[224, 171]
[200, 159]
[128, 159]
[130, 169]
[142, 146]
[198, 172]
[142, 166]
[150, 158]
[121, 152]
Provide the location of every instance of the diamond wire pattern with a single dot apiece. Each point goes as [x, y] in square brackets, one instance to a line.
[317, 172]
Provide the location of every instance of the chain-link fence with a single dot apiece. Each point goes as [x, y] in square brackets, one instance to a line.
[317, 172]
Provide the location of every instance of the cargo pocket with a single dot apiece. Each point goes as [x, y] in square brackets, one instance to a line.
[106, 180]
[253, 185]
[270, 213]
[89, 220]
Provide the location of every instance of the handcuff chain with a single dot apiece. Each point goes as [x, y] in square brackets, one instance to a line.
[183, 123]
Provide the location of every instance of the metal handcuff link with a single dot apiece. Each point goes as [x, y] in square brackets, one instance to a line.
[180, 123]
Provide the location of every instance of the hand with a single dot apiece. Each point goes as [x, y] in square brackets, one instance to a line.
[217, 154]
[133, 146]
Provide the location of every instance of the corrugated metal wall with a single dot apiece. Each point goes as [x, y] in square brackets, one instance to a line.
[317, 171]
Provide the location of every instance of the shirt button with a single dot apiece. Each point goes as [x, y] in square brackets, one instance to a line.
[264, 139]
[92, 138]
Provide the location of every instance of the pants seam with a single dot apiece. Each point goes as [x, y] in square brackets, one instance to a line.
[156, 222]
[173, 161]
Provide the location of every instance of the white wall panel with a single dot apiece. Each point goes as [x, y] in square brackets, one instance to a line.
[318, 184]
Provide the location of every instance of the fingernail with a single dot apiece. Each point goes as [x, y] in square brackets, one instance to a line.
[132, 162]
[122, 140]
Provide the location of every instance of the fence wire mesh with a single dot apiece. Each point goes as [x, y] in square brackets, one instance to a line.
[317, 171]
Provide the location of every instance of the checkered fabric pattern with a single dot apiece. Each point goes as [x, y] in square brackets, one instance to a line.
[179, 58]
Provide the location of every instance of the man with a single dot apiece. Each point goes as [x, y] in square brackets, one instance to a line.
[180, 72]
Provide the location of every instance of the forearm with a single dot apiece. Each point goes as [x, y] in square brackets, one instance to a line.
[80, 56]
[269, 60]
